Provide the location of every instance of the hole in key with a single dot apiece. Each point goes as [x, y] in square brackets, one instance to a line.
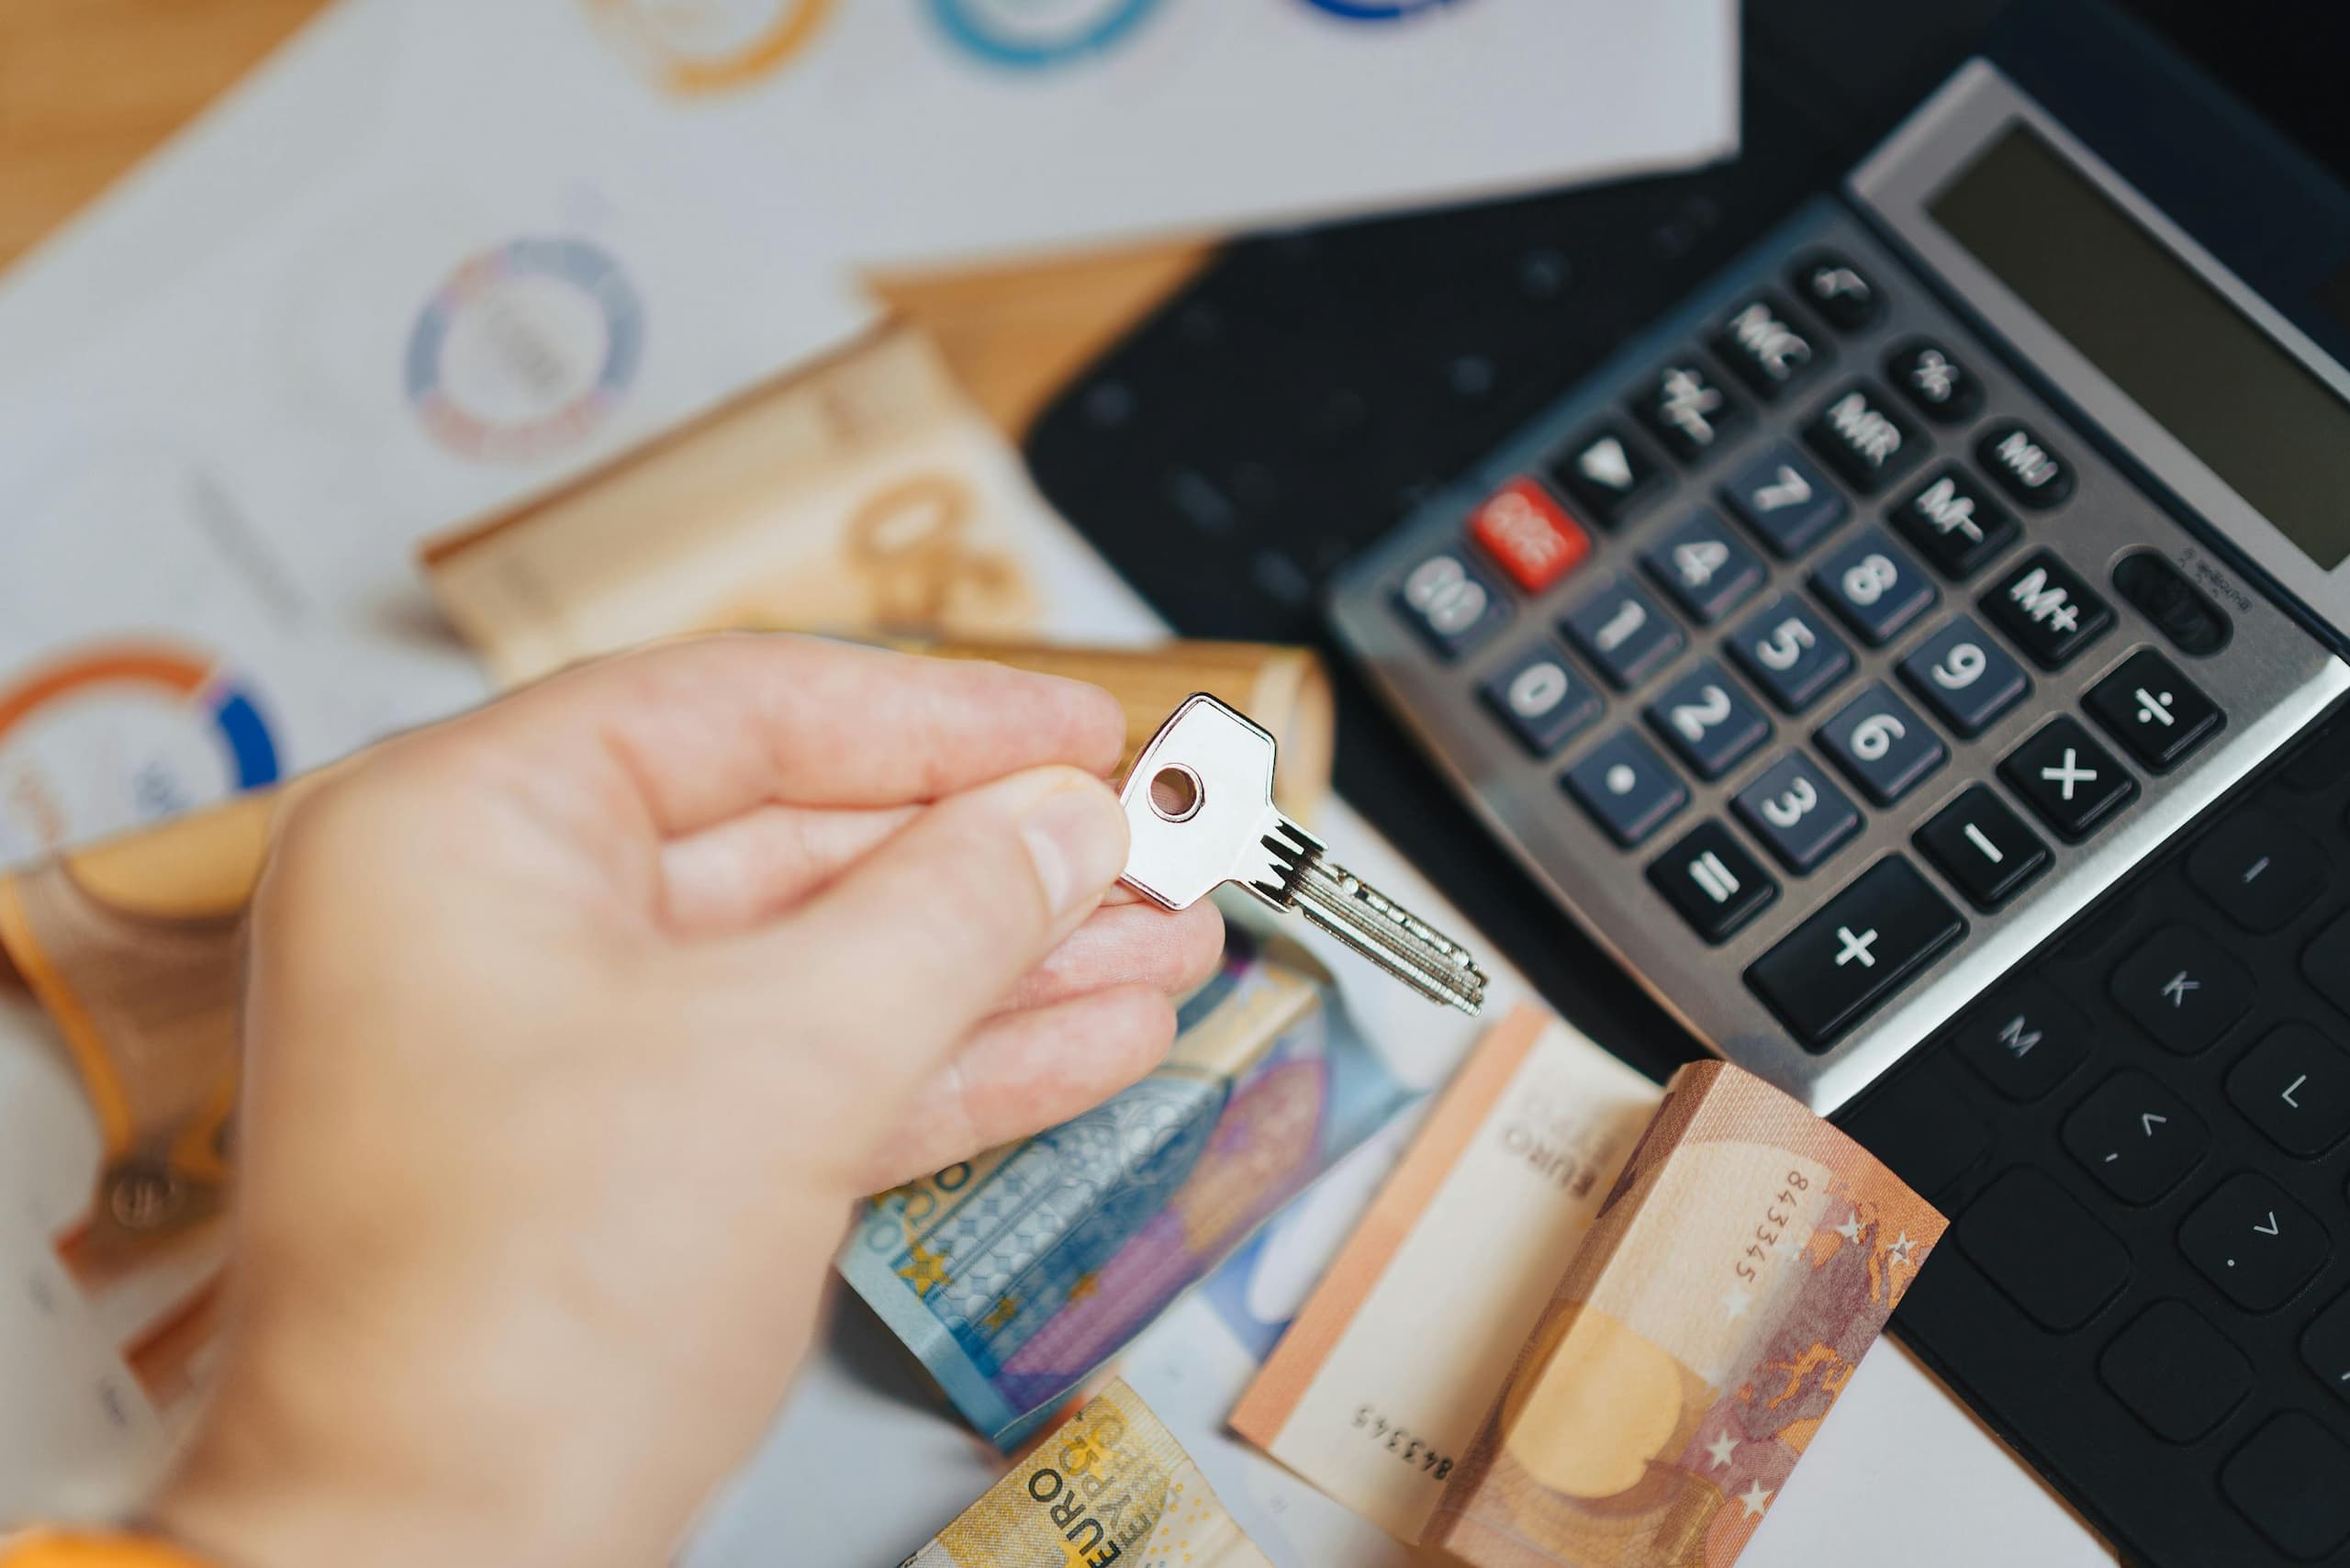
[1175, 792]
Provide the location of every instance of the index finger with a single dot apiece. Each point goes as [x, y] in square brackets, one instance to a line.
[705, 729]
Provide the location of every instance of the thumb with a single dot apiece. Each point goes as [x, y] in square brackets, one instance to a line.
[925, 935]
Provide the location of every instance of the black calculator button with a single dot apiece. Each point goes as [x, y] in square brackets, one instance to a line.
[2325, 1347]
[2047, 608]
[1879, 743]
[1704, 717]
[1623, 632]
[2253, 1242]
[2023, 465]
[1838, 291]
[1708, 876]
[1797, 813]
[2325, 963]
[2177, 608]
[1790, 654]
[2292, 1481]
[1541, 698]
[1954, 522]
[1965, 677]
[2294, 1086]
[2135, 1136]
[2152, 708]
[1874, 586]
[2072, 782]
[2043, 1249]
[1688, 410]
[1925, 1134]
[1452, 605]
[1763, 347]
[2182, 989]
[1784, 500]
[2175, 1372]
[1859, 948]
[1859, 435]
[1983, 847]
[2262, 873]
[1626, 787]
[2024, 1039]
[1610, 470]
[1706, 568]
[1936, 385]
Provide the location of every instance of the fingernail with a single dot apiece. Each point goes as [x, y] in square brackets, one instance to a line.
[1077, 837]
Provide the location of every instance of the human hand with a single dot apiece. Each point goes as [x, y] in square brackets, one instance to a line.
[575, 1026]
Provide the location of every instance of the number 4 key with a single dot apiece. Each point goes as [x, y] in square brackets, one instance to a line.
[1198, 805]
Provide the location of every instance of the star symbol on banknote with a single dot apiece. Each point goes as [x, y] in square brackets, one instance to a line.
[1005, 1311]
[1899, 1251]
[1851, 1230]
[1721, 1448]
[1754, 1498]
[924, 1269]
[1737, 1299]
[1084, 1285]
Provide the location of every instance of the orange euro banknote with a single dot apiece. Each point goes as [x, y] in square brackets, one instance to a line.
[1744, 1260]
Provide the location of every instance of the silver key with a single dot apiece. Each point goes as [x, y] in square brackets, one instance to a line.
[1199, 807]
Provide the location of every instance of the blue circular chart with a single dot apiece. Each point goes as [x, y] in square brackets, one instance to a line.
[1034, 33]
[1378, 10]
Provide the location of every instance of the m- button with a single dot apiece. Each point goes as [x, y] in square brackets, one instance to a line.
[2182, 990]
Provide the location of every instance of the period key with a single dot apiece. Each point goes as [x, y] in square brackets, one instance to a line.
[1861, 947]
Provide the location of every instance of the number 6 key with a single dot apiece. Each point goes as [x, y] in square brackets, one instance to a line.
[1199, 806]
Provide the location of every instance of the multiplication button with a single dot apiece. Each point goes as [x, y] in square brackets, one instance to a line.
[1540, 698]
[1626, 787]
[1708, 876]
[1983, 847]
[2072, 782]
[1862, 945]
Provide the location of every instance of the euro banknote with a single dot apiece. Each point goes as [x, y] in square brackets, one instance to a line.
[1016, 1273]
[1111, 1484]
[1743, 1262]
[1383, 1377]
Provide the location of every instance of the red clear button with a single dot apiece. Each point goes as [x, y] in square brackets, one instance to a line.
[1529, 535]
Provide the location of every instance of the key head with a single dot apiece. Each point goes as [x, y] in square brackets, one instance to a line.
[1198, 800]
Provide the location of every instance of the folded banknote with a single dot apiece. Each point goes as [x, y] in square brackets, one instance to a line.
[1014, 1275]
[1743, 1262]
[1111, 1484]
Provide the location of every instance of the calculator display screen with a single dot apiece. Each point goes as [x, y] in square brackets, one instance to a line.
[2255, 415]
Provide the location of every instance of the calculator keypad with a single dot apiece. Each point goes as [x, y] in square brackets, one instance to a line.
[1784, 500]
[1874, 586]
[1878, 742]
[1790, 653]
[1710, 724]
[1705, 568]
[1624, 633]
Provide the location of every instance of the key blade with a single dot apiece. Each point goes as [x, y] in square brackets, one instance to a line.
[1198, 805]
[1390, 935]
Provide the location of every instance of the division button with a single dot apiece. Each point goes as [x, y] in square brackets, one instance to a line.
[1541, 698]
[2135, 1136]
[1626, 787]
[1708, 876]
[2072, 782]
[2022, 464]
[1529, 535]
[1782, 500]
[1983, 847]
[2043, 604]
[1954, 522]
[2182, 989]
[2152, 708]
[1859, 948]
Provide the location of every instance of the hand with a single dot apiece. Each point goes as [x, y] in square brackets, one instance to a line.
[575, 1026]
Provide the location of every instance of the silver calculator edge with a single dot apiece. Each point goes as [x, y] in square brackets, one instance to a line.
[2273, 680]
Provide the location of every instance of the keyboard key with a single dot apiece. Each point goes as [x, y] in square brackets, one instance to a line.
[2024, 1039]
[1712, 880]
[2152, 708]
[1936, 385]
[1764, 348]
[1450, 603]
[1965, 677]
[1983, 847]
[2175, 1372]
[1623, 632]
[1686, 409]
[2135, 1136]
[1610, 472]
[2022, 464]
[1782, 500]
[1790, 654]
[1873, 585]
[2043, 1249]
[2045, 606]
[2292, 1481]
[1628, 788]
[1861, 437]
[1706, 718]
[2325, 963]
[2182, 989]
[1879, 743]
[1858, 950]
[1926, 1135]
[2260, 873]
[2294, 1086]
[1954, 522]
[2070, 780]
[2176, 607]
[2253, 1242]
[1797, 814]
[1540, 698]
[2325, 1347]
[1704, 566]
[1838, 291]
[1529, 535]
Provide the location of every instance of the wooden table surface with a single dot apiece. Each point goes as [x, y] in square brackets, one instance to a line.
[88, 87]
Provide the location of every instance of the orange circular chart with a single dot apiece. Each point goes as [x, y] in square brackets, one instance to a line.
[695, 47]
